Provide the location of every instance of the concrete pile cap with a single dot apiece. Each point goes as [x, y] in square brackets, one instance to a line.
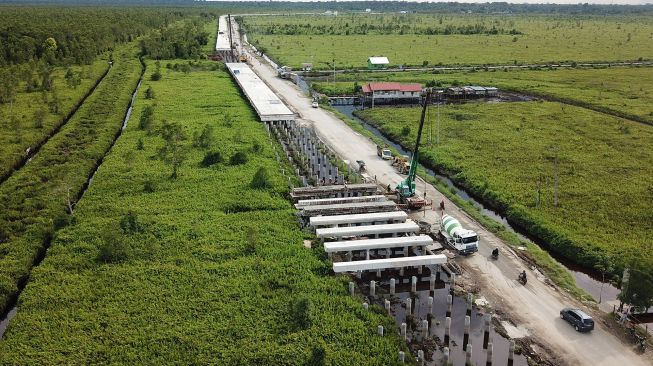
[358, 218]
[349, 208]
[327, 201]
[336, 188]
[374, 264]
[384, 243]
[406, 227]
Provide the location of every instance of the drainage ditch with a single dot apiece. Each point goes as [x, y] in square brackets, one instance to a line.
[586, 279]
[13, 309]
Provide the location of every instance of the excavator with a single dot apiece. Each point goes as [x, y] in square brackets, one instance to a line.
[406, 189]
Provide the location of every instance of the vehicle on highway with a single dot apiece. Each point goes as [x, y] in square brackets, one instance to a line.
[522, 278]
[452, 232]
[495, 253]
[383, 152]
[314, 104]
[581, 321]
[361, 166]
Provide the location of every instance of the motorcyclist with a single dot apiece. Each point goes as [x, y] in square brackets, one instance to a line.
[522, 275]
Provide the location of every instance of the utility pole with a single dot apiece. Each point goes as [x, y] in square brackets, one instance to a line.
[437, 133]
[555, 176]
[430, 128]
[540, 178]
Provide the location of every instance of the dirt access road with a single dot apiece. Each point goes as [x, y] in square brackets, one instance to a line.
[535, 306]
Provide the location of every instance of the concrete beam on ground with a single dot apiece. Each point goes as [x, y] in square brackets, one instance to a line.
[343, 190]
[396, 216]
[375, 264]
[331, 201]
[408, 227]
[348, 208]
[371, 244]
[266, 103]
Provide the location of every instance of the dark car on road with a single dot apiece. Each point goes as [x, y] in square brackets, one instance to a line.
[581, 321]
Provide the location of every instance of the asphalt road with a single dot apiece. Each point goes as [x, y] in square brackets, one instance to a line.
[535, 306]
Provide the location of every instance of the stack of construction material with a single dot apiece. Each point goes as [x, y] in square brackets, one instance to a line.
[369, 230]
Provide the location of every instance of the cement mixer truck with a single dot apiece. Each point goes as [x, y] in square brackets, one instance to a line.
[463, 240]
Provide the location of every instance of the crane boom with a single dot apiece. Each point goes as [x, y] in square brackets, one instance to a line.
[407, 187]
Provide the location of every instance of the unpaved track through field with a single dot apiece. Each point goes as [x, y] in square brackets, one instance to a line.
[535, 306]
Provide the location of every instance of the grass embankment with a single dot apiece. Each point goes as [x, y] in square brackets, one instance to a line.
[621, 91]
[211, 271]
[503, 152]
[34, 116]
[469, 40]
[34, 199]
[554, 270]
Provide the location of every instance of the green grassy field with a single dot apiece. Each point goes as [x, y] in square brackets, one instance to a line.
[542, 39]
[34, 200]
[28, 120]
[501, 151]
[211, 268]
[622, 91]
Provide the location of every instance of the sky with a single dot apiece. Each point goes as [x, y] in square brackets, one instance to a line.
[631, 2]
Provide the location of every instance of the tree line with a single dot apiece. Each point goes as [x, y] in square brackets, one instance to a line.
[378, 6]
[387, 28]
[184, 40]
[73, 35]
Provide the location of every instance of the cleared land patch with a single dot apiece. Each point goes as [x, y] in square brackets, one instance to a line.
[470, 40]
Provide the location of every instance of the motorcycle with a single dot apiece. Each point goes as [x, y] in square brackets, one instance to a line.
[495, 253]
[361, 166]
[641, 343]
[522, 278]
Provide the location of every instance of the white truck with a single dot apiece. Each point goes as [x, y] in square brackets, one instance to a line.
[383, 153]
[455, 235]
[284, 72]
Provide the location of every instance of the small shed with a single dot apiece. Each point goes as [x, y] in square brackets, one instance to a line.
[377, 63]
[478, 90]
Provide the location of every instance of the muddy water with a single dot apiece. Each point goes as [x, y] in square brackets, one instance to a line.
[589, 281]
[434, 344]
[5, 321]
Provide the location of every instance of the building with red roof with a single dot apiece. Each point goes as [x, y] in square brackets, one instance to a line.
[391, 93]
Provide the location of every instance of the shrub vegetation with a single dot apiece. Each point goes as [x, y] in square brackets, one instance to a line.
[505, 154]
[218, 273]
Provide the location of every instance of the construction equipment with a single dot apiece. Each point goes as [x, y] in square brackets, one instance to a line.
[462, 240]
[383, 152]
[406, 189]
[402, 164]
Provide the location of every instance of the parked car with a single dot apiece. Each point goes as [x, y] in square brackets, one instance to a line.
[314, 104]
[581, 321]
